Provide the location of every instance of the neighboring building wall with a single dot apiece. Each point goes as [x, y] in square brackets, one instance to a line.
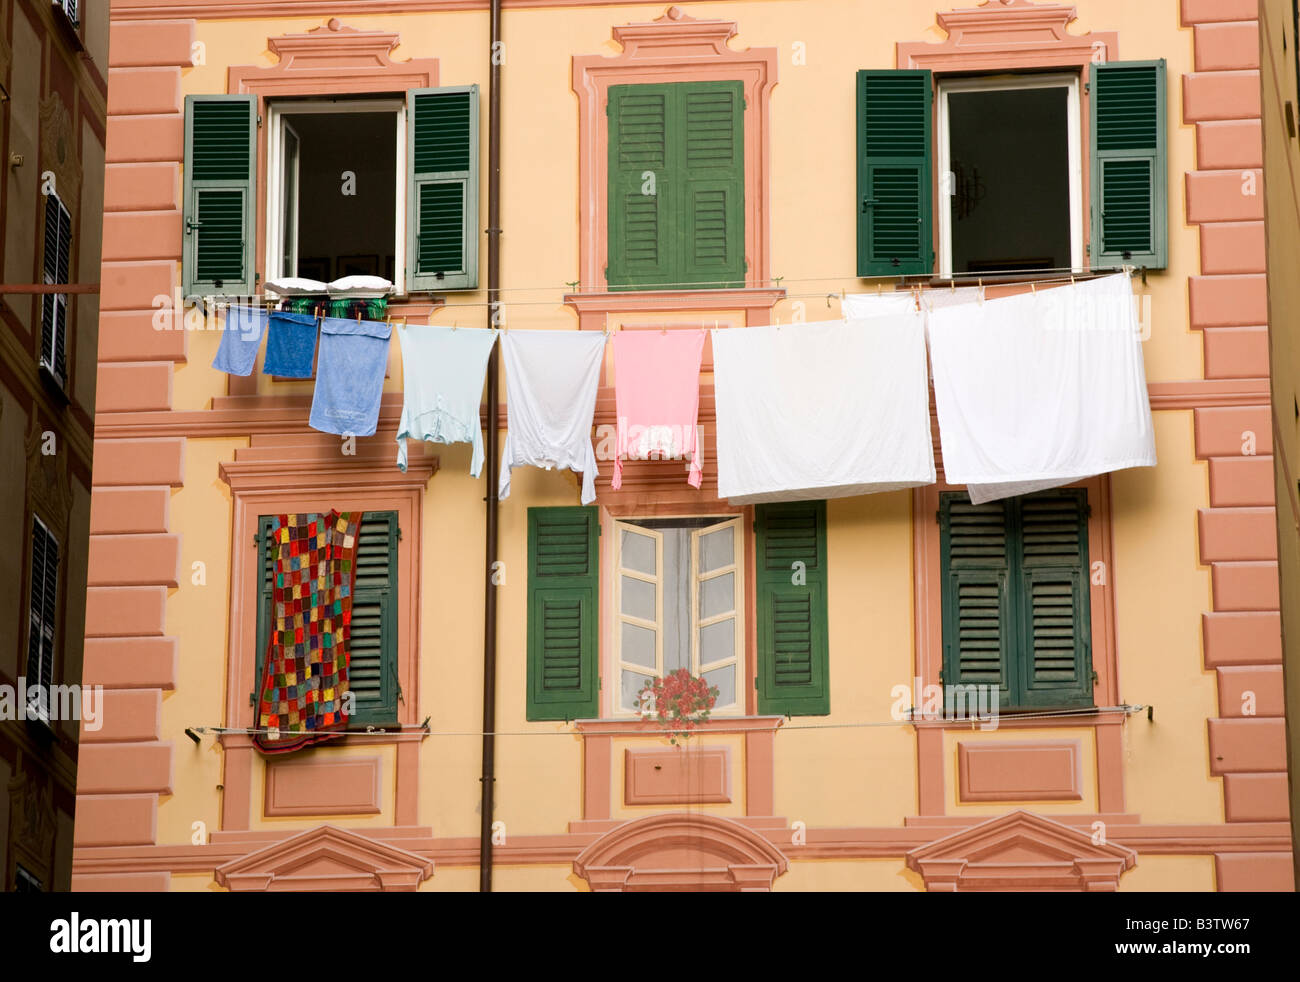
[1193, 799]
[54, 106]
[1280, 111]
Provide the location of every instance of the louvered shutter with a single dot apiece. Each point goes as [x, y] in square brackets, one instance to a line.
[563, 586]
[56, 267]
[713, 138]
[70, 8]
[442, 189]
[1054, 604]
[1129, 180]
[372, 653]
[220, 174]
[642, 246]
[976, 561]
[793, 653]
[895, 186]
[43, 605]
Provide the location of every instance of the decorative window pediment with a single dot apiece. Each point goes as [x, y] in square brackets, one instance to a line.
[1021, 851]
[326, 859]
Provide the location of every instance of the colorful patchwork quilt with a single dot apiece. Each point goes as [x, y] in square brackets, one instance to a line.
[305, 669]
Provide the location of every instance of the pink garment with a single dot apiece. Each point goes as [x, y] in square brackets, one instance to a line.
[657, 397]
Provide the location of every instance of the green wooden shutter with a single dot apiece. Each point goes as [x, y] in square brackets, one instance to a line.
[793, 650]
[975, 569]
[220, 178]
[895, 186]
[712, 123]
[1130, 195]
[442, 189]
[563, 586]
[685, 141]
[1055, 620]
[642, 247]
[372, 658]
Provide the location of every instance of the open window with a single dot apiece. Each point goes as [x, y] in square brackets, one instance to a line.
[678, 593]
[333, 207]
[1001, 158]
[1010, 174]
[384, 186]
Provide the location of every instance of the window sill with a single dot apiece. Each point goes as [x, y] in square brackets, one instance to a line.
[70, 28]
[756, 302]
[639, 727]
[1028, 718]
[935, 281]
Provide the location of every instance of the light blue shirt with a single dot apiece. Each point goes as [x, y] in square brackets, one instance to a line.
[443, 369]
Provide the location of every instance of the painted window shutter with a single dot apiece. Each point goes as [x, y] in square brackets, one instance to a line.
[1130, 195]
[442, 188]
[1016, 597]
[642, 246]
[895, 186]
[372, 655]
[219, 206]
[676, 185]
[563, 586]
[793, 652]
[43, 605]
[713, 141]
[976, 567]
[1055, 635]
[56, 267]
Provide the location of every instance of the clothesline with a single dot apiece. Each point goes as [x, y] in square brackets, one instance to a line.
[1122, 710]
[1068, 274]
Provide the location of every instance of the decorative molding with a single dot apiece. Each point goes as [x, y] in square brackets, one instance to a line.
[672, 48]
[680, 851]
[244, 476]
[59, 142]
[683, 775]
[32, 825]
[873, 842]
[326, 859]
[333, 58]
[134, 10]
[1009, 35]
[637, 727]
[1038, 770]
[755, 303]
[49, 491]
[318, 785]
[1020, 851]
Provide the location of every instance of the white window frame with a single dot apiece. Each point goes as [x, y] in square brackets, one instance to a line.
[737, 566]
[275, 230]
[1074, 153]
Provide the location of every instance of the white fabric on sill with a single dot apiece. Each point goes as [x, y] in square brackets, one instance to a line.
[551, 382]
[1041, 389]
[822, 410]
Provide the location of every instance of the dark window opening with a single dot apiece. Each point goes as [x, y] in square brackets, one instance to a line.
[1009, 158]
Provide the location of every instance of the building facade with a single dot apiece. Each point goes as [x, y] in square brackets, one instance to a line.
[797, 147]
[53, 96]
[1280, 97]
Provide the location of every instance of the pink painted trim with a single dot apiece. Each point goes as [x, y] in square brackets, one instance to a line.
[1027, 770]
[326, 859]
[686, 776]
[636, 727]
[673, 48]
[320, 786]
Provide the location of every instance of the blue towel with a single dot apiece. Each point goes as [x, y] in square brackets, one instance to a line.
[349, 376]
[290, 345]
[240, 340]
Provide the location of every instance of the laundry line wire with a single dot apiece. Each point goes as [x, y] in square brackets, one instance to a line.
[1125, 710]
[1032, 277]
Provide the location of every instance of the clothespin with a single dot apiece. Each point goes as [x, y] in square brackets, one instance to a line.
[880, 288]
[829, 296]
[403, 322]
[358, 315]
[454, 325]
[1071, 279]
[980, 281]
[1033, 288]
[663, 330]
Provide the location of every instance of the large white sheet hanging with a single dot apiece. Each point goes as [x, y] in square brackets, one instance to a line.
[1041, 389]
[551, 382]
[822, 410]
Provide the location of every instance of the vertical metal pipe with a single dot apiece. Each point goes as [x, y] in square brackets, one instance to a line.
[488, 780]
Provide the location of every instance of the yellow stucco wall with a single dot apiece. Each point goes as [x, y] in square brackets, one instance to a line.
[828, 772]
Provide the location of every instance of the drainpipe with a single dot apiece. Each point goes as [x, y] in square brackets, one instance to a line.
[488, 780]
